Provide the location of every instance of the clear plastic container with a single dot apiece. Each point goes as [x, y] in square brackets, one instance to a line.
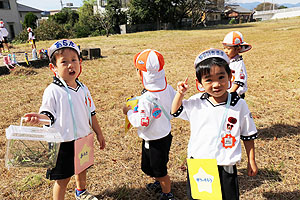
[32, 146]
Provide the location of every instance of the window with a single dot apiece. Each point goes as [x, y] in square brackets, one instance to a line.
[4, 4]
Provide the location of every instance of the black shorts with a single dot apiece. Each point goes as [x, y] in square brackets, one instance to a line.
[229, 184]
[155, 159]
[5, 40]
[1, 45]
[65, 162]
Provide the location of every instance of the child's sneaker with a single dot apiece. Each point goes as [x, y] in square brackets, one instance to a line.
[85, 196]
[154, 187]
[168, 196]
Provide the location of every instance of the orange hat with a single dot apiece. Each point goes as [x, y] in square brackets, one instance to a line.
[235, 38]
[151, 64]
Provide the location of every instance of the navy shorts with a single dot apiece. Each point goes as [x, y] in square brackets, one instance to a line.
[65, 162]
[1, 45]
[5, 40]
[155, 159]
[229, 184]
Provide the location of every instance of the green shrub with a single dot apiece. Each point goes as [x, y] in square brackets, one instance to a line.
[232, 21]
[50, 30]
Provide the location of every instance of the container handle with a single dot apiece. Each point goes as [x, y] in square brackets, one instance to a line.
[41, 120]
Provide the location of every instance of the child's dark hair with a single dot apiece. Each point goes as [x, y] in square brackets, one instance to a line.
[60, 51]
[204, 67]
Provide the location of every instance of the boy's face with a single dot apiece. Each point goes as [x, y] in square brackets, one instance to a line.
[216, 83]
[231, 51]
[67, 66]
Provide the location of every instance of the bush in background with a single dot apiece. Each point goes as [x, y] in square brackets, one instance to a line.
[50, 30]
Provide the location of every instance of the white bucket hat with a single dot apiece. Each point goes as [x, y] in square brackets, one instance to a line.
[235, 38]
[151, 64]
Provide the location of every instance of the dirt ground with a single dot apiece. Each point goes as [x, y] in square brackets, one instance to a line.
[273, 98]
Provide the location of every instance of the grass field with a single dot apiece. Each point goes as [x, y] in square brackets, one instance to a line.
[273, 67]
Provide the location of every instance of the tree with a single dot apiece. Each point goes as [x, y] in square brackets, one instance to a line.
[87, 22]
[30, 20]
[66, 16]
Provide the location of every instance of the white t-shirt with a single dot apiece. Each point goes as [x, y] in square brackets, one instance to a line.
[239, 74]
[31, 36]
[150, 120]
[205, 121]
[4, 32]
[56, 105]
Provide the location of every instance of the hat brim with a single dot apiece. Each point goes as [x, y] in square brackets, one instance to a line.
[154, 82]
[245, 47]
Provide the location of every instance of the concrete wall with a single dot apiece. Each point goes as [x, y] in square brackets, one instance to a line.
[11, 19]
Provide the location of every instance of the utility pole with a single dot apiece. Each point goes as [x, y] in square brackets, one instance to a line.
[61, 4]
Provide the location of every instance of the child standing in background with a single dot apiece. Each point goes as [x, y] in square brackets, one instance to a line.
[4, 32]
[233, 45]
[31, 38]
[152, 118]
[56, 106]
[218, 121]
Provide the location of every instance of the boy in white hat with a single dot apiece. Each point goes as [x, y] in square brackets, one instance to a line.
[233, 45]
[219, 120]
[70, 107]
[152, 118]
[4, 32]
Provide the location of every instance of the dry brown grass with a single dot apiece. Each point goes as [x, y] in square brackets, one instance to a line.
[273, 97]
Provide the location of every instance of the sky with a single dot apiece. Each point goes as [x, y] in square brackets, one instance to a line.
[55, 4]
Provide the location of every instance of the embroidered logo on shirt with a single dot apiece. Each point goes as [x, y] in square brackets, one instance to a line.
[228, 141]
[156, 112]
[145, 121]
[136, 109]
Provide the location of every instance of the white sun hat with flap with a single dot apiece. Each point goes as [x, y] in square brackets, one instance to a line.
[235, 38]
[151, 64]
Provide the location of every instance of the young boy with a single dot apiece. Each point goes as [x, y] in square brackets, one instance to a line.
[152, 118]
[31, 38]
[66, 65]
[218, 121]
[1, 44]
[233, 45]
[4, 32]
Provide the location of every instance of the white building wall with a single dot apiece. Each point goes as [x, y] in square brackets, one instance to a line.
[11, 18]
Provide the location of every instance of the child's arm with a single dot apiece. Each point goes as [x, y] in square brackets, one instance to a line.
[234, 87]
[98, 132]
[252, 167]
[34, 118]
[182, 87]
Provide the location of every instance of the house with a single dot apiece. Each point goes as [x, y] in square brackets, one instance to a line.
[10, 16]
[100, 5]
[238, 12]
[23, 10]
[13, 13]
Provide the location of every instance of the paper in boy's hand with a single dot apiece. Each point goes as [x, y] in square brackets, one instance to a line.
[130, 101]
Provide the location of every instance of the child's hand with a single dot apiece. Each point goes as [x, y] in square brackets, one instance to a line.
[34, 118]
[101, 140]
[126, 109]
[182, 86]
[252, 168]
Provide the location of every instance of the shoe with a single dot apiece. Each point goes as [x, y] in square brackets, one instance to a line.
[154, 187]
[85, 196]
[168, 196]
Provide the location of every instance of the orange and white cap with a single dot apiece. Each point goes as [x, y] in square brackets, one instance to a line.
[29, 29]
[1, 24]
[235, 38]
[151, 64]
